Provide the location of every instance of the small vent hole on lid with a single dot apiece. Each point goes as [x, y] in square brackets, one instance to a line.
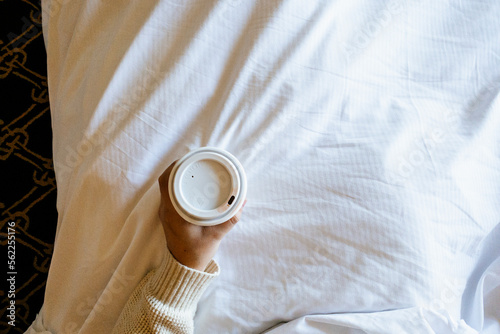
[231, 200]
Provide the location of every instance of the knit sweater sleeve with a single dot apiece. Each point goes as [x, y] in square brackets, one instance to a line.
[165, 300]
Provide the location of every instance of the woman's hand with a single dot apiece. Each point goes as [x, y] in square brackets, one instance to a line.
[192, 245]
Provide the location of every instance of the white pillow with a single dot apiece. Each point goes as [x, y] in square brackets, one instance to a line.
[368, 131]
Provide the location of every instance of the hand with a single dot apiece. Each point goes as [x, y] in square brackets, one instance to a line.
[192, 245]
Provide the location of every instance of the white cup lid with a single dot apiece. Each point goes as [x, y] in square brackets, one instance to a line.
[207, 186]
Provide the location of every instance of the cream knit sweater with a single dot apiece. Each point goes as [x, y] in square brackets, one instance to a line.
[165, 300]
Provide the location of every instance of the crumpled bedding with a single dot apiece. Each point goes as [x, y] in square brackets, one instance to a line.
[368, 131]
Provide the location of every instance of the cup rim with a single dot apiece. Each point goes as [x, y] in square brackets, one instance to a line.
[223, 212]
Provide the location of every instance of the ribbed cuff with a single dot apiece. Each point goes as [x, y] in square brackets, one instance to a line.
[181, 287]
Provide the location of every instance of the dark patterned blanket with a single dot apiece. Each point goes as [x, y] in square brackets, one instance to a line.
[28, 196]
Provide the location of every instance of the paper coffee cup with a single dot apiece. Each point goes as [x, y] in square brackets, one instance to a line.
[207, 186]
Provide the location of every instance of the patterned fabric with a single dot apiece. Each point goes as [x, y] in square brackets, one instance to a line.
[28, 196]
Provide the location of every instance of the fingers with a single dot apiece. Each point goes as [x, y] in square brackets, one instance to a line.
[236, 217]
[228, 225]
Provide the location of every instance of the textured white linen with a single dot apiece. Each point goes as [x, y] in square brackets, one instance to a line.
[368, 131]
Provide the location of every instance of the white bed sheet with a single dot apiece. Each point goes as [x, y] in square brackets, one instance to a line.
[368, 130]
